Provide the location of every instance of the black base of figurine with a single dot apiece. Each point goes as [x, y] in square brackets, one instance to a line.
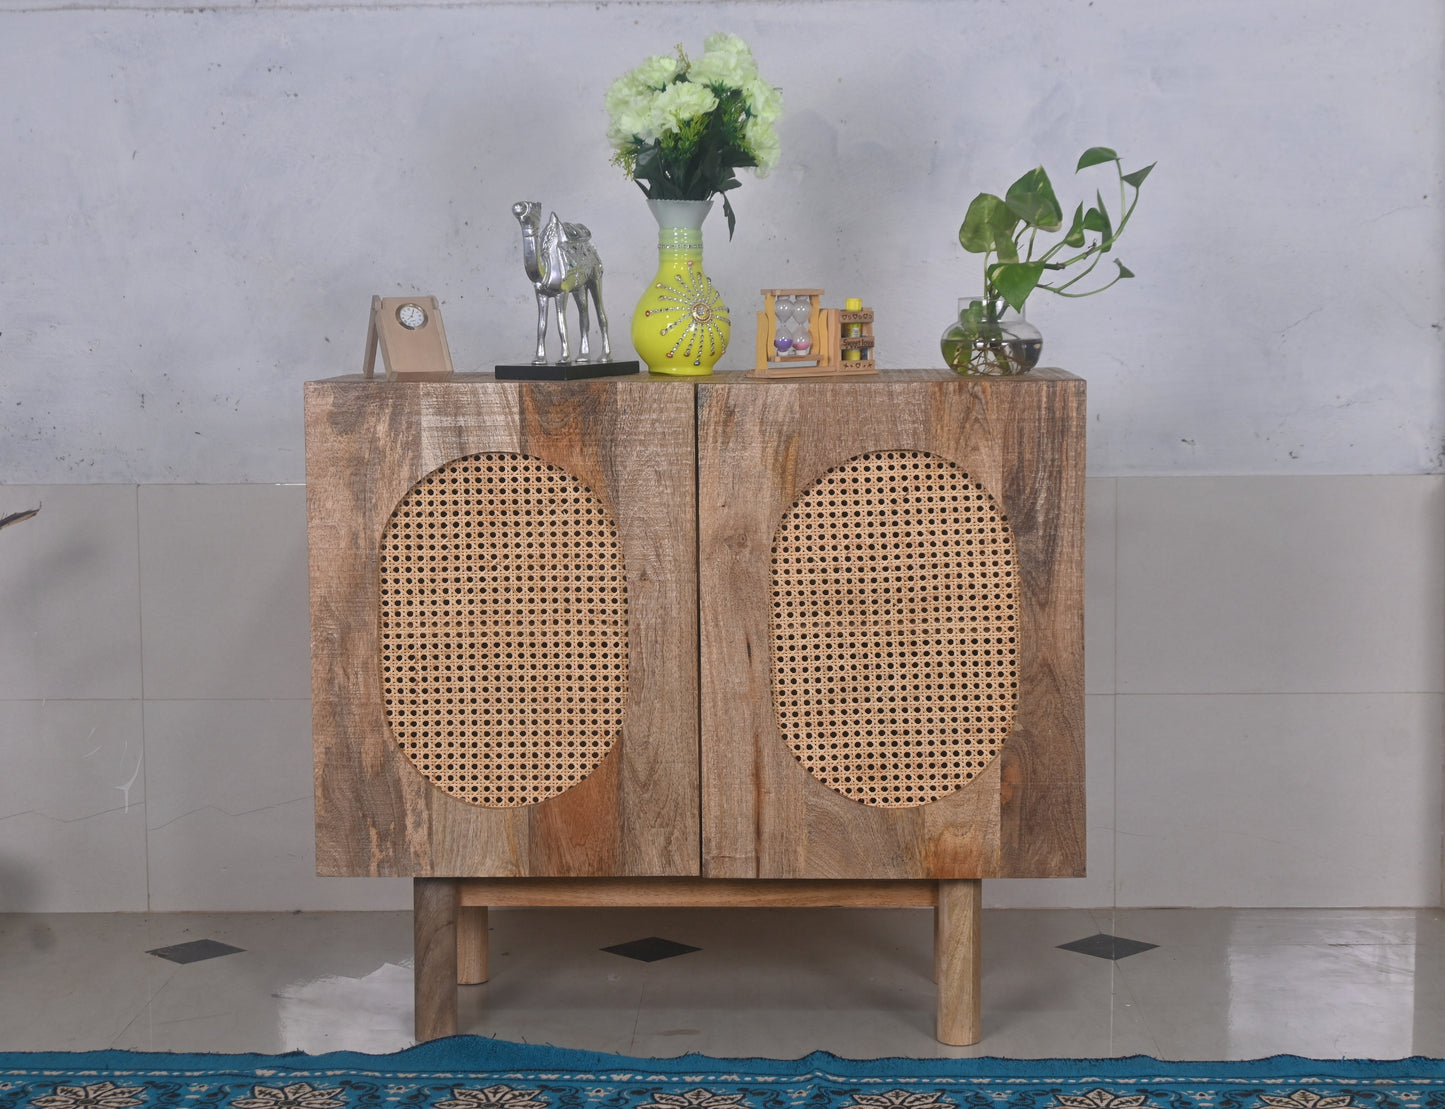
[566, 371]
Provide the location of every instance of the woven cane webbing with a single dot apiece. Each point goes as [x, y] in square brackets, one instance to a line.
[503, 629]
[895, 626]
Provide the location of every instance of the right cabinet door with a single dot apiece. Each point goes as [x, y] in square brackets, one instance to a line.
[891, 604]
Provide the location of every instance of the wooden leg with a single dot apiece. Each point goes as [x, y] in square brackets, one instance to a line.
[434, 932]
[472, 945]
[937, 916]
[956, 957]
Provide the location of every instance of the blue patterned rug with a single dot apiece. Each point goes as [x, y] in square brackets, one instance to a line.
[468, 1072]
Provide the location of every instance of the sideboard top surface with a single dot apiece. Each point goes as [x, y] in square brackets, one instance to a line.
[729, 377]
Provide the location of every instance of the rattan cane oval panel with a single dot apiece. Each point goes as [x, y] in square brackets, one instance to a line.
[503, 629]
[895, 596]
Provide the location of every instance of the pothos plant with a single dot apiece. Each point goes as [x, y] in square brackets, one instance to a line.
[1005, 230]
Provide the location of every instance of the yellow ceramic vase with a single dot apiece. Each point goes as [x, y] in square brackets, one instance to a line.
[681, 325]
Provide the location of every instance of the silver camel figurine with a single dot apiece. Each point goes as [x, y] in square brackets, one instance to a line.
[561, 260]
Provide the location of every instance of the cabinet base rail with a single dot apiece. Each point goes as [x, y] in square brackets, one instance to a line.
[450, 927]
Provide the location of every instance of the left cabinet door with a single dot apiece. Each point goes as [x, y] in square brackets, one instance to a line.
[503, 627]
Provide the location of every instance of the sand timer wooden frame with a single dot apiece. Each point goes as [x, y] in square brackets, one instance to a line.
[839, 340]
[722, 642]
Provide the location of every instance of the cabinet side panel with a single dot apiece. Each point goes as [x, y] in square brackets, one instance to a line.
[367, 822]
[1043, 766]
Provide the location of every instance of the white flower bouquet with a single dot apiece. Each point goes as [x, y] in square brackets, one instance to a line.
[682, 128]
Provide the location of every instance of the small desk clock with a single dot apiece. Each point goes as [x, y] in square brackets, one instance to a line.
[412, 339]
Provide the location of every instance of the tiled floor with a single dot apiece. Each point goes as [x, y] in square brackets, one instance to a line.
[1219, 983]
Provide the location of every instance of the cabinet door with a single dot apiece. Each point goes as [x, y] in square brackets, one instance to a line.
[891, 626]
[504, 649]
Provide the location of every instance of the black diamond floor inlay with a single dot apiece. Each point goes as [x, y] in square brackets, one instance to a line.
[195, 951]
[1105, 946]
[651, 949]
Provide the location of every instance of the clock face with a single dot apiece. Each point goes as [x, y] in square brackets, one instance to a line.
[411, 316]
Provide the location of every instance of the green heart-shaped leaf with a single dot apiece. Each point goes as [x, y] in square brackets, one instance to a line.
[1097, 219]
[1075, 235]
[1137, 177]
[1032, 199]
[988, 225]
[1095, 156]
[1015, 281]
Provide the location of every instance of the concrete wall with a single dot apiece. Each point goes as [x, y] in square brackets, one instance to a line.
[198, 204]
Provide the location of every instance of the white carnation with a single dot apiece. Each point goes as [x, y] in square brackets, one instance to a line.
[763, 141]
[764, 101]
[678, 103]
[660, 114]
[658, 71]
[726, 62]
[719, 43]
[629, 110]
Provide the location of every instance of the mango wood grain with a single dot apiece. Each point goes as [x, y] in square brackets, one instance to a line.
[1043, 819]
[696, 474]
[957, 960]
[761, 444]
[717, 893]
[434, 946]
[632, 445]
[957, 920]
[473, 963]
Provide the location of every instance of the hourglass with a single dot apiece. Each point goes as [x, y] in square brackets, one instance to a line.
[802, 332]
[783, 326]
[797, 338]
[787, 326]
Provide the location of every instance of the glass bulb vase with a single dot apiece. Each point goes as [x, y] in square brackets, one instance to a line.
[990, 339]
[681, 325]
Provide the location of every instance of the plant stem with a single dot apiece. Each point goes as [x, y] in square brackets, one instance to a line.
[1076, 279]
[1124, 216]
[1060, 290]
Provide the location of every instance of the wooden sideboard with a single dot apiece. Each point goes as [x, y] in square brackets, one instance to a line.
[718, 641]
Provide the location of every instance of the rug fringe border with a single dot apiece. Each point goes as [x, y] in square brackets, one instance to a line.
[471, 1055]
